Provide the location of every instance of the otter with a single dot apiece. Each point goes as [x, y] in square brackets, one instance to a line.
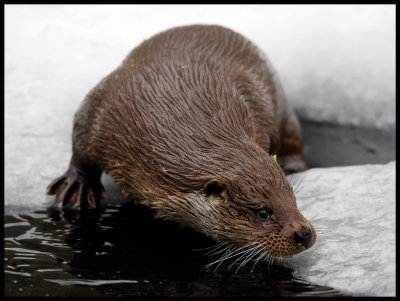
[194, 124]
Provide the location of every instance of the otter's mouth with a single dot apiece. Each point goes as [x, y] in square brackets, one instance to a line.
[301, 247]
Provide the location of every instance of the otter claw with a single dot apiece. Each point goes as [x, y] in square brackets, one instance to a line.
[75, 191]
[51, 189]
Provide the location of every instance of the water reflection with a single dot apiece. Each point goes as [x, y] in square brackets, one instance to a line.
[125, 252]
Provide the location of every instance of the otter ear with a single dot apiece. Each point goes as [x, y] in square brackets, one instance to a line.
[214, 187]
[274, 157]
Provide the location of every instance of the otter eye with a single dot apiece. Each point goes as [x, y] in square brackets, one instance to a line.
[264, 213]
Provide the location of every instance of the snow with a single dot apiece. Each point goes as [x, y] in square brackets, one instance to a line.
[354, 208]
[336, 63]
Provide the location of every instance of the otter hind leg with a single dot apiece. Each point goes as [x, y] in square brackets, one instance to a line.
[291, 155]
[77, 191]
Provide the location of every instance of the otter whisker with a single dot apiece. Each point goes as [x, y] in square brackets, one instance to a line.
[253, 253]
[221, 247]
[270, 258]
[224, 249]
[313, 220]
[258, 250]
[320, 230]
[277, 260]
[230, 255]
[243, 255]
[280, 260]
[323, 232]
[290, 178]
[288, 260]
[214, 247]
[227, 251]
[237, 251]
[232, 251]
[295, 182]
[246, 256]
[223, 257]
[262, 254]
[265, 258]
[298, 189]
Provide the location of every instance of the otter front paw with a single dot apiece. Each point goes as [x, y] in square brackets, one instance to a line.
[75, 191]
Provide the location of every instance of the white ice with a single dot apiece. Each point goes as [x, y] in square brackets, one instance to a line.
[336, 63]
[354, 210]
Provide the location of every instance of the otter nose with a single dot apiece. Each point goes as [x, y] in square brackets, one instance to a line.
[303, 236]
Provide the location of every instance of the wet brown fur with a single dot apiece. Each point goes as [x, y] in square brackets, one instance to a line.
[192, 105]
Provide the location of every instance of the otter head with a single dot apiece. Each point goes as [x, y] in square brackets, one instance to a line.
[251, 207]
[259, 210]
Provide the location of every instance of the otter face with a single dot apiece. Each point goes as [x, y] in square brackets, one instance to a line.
[258, 218]
[263, 215]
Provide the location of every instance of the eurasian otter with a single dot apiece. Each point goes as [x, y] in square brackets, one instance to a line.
[194, 124]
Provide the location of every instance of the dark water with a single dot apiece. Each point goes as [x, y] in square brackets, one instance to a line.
[126, 252]
[327, 144]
